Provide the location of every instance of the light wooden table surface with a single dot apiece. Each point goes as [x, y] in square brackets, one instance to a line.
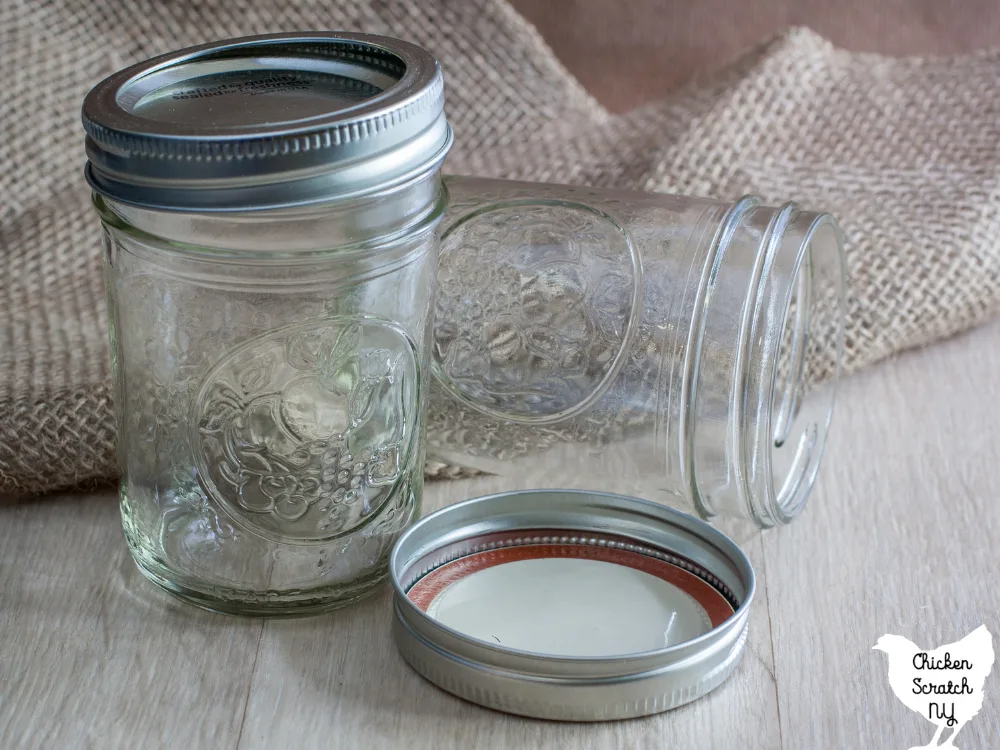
[901, 536]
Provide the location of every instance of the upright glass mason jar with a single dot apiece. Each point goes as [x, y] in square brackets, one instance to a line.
[690, 343]
[270, 209]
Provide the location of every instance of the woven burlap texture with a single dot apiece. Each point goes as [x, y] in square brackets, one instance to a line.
[905, 152]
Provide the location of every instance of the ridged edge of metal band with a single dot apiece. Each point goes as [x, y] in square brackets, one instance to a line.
[115, 127]
[310, 190]
[267, 146]
[482, 684]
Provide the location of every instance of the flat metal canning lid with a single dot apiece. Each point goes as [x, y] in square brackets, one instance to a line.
[266, 122]
[570, 605]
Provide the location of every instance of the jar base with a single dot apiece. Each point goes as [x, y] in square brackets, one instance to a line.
[270, 604]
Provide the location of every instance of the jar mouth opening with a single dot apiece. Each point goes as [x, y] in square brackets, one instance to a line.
[802, 363]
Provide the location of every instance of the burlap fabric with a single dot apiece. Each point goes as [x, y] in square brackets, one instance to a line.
[905, 152]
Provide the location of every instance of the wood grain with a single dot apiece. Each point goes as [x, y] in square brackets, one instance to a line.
[94, 656]
[900, 537]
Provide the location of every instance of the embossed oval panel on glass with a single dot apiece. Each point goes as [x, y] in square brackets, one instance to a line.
[303, 433]
[536, 305]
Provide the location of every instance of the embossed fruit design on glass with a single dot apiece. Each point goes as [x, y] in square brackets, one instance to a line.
[685, 345]
[270, 209]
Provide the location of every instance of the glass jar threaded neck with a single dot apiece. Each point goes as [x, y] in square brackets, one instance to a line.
[768, 399]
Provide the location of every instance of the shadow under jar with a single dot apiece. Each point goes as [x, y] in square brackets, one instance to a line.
[270, 209]
[687, 346]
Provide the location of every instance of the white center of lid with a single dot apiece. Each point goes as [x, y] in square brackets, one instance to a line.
[570, 607]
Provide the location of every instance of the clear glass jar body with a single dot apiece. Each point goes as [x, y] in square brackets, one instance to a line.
[270, 393]
[598, 333]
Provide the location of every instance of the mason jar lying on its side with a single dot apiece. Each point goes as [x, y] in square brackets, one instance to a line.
[594, 333]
